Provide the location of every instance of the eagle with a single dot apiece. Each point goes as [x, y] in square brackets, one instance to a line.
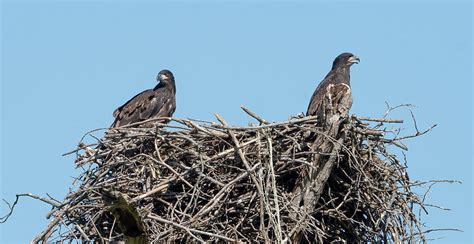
[338, 75]
[159, 102]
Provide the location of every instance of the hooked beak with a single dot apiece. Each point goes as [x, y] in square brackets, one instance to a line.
[354, 59]
[163, 77]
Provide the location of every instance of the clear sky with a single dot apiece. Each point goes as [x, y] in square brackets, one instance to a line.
[66, 66]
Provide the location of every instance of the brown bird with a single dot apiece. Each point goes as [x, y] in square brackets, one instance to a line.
[339, 74]
[159, 102]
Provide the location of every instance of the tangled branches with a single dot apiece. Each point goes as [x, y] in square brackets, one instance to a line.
[200, 181]
[290, 181]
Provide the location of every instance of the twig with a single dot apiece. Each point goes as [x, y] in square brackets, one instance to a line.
[415, 135]
[154, 217]
[382, 120]
[278, 231]
[12, 206]
[254, 115]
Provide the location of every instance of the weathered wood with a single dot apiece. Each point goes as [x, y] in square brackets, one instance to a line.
[333, 114]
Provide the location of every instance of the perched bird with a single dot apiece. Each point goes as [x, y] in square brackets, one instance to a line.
[338, 75]
[158, 102]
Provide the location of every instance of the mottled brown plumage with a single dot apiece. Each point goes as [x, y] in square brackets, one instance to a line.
[339, 75]
[158, 102]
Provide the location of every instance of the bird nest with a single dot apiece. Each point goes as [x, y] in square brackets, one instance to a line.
[201, 181]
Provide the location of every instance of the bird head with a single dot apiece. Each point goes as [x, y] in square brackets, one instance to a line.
[164, 76]
[345, 59]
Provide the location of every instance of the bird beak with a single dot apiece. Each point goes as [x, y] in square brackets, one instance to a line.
[354, 59]
[163, 77]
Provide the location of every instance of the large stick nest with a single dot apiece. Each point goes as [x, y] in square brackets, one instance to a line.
[192, 180]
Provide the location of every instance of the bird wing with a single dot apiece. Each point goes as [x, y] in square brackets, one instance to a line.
[148, 104]
[318, 96]
[132, 103]
[130, 111]
[157, 105]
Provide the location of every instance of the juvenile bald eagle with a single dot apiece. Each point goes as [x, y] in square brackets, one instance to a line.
[158, 102]
[338, 75]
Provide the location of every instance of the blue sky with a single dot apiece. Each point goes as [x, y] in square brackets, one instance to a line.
[66, 66]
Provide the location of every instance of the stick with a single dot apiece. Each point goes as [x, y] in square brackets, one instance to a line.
[155, 217]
